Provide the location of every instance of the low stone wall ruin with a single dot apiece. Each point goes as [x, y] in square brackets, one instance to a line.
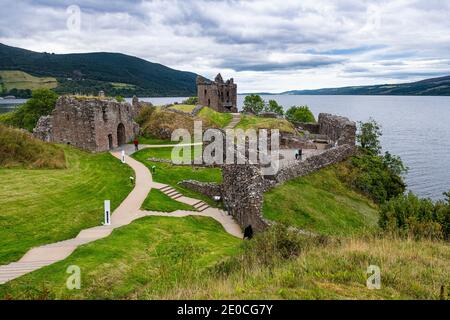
[209, 189]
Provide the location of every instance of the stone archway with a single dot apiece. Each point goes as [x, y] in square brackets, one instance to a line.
[121, 136]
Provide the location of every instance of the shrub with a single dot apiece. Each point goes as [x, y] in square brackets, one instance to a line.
[253, 103]
[408, 215]
[120, 99]
[144, 114]
[273, 106]
[42, 103]
[371, 175]
[368, 136]
[300, 114]
[191, 101]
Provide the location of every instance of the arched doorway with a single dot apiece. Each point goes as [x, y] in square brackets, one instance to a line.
[121, 137]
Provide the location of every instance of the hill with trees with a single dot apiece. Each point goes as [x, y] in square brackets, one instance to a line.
[428, 87]
[87, 73]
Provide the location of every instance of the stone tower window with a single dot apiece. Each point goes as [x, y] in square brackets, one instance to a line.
[105, 116]
[67, 117]
[205, 92]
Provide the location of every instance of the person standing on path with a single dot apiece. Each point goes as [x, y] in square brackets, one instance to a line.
[136, 143]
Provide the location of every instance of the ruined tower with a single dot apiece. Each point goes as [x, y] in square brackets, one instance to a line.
[218, 94]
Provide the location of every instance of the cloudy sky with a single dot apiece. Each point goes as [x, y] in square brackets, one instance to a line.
[266, 45]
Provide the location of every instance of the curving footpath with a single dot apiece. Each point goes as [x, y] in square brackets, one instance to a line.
[128, 211]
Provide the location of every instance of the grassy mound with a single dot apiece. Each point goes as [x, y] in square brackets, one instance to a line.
[217, 119]
[183, 107]
[254, 122]
[20, 149]
[321, 202]
[142, 260]
[45, 206]
[158, 201]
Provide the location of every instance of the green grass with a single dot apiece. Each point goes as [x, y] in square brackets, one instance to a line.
[119, 85]
[254, 122]
[171, 174]
[321, 203]
[154, 140]
[158, 201]
[183, 107]
[409, 270]
[45, 206]
[22, 80]
[142, 260]
[218, 119]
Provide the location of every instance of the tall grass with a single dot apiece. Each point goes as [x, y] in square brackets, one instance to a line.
[19, 149]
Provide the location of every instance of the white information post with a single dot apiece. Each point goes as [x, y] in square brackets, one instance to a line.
[123, 156]
[107, 213]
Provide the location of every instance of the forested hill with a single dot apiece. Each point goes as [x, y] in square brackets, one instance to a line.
[87, 73]
[429, 87]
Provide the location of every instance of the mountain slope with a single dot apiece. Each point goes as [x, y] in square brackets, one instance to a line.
[429, 87]
[114, 73]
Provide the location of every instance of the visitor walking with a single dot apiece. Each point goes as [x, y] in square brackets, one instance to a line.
[136, 143]
[300, 154]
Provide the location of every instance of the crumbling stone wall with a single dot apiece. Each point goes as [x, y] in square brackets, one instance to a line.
[242, 190]
[91, 124]
[339, 129]
[218, 94]
[209, 189]
[314, 163]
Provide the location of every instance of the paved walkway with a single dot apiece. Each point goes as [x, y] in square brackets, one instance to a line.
[234, 121]
[128, 211]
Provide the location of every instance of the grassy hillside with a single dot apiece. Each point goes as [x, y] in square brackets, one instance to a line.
[322, 203]
[45, 206]
[328, 270]
[142, 260]
[19, 149]
[22, 80]
[428, 87]
[88, 73]
[254, 122]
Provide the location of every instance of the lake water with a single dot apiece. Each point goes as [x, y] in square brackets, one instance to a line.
[415, 128]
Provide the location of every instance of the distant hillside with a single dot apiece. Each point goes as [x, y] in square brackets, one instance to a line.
[429, 87]
[87, 73]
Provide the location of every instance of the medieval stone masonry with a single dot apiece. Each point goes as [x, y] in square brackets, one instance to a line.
[218, 95]
[93, 124]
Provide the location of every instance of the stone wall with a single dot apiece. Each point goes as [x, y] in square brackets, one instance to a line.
[337, 128]
[314, 163]
[91, 124]
[209, 189]
[242, 190]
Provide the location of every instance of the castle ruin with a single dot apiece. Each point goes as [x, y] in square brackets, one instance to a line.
[218, 95]
[92, 124]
